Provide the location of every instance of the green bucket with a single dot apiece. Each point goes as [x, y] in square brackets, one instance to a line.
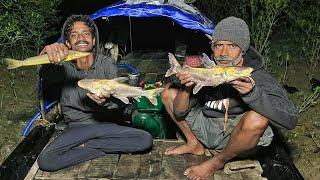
[149, 117]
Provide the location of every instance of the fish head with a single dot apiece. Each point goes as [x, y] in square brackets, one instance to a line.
[232, 73]
[95, 86]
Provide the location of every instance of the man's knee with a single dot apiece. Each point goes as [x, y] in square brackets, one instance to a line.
[168, 94]
[46, 163]
[254, 121]
[146, 141]
[165, 95]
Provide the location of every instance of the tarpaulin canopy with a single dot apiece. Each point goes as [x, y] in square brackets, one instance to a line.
[179, 12]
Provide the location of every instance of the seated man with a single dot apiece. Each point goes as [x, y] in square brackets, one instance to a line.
[92, 129]
[252, 104]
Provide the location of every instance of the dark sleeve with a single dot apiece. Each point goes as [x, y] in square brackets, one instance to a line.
[269, 99]
[52, 74]
[111, 69]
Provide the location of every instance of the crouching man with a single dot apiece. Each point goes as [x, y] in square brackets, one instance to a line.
[252, 104]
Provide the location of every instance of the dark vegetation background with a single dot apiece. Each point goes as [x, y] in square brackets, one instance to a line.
[286, 32]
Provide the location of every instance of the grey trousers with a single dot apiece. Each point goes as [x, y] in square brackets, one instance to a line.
[80, 143]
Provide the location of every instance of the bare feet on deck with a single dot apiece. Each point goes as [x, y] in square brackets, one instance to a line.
[196, 149]
[204, 170]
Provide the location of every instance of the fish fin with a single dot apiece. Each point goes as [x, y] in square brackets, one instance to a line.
[174, 65]
[197, 88]
[207, 62]
[152, 93]
[123, 99]
[153, 100]
[13, 63]
[120, 79]
[136, 98]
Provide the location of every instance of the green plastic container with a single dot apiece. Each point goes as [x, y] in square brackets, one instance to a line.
[149, 117]
[151, 122]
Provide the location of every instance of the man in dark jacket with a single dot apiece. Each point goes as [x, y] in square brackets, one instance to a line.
[93, 128]
[250, 104]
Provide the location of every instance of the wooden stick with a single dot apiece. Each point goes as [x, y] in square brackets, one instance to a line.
[226, 116]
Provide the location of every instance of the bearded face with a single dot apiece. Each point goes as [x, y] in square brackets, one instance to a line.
[226, 53]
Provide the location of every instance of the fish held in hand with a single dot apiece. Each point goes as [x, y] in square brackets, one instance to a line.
[118, 89]
[210, 76]
[42, 59]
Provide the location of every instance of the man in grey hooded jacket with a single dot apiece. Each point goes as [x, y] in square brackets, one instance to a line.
[93, 128]
[232, 118]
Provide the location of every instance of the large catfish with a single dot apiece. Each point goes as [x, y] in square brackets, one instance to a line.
[118, 89]
[209, 76]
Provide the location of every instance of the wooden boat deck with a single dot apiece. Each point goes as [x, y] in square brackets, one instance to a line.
[152, 165]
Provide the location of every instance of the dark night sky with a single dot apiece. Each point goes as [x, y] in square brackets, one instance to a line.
[69, 7]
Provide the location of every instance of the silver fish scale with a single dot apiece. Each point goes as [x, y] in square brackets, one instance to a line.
[129, 91]
[206, 77]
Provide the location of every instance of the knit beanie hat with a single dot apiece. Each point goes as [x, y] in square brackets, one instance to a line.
[233, 29]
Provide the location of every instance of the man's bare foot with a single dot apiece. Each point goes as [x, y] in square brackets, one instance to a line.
[204, 170]
[197, 149]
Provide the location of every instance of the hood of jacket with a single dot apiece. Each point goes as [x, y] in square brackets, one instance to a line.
[253, 59]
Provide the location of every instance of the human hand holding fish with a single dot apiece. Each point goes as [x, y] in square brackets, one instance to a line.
[185, 79]
[243, 84]
[101, 99]
[43, 59]
[56, 52]
[118, 89]
[208, 76]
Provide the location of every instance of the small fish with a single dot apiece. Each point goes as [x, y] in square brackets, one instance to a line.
[42, 59]
[209, 76]
[118, 89]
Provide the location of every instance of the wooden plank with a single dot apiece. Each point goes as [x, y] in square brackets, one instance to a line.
[193, 160]
[154, 165]
[151, 163]
[103, 167]
[173, 165]
[128, 166]
[74, 172]
[33, 171]
[220, 175]
[252, 175]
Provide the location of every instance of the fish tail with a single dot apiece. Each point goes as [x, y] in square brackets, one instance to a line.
[152, 95]
[12, 63]
[154, 92]
[174, 65]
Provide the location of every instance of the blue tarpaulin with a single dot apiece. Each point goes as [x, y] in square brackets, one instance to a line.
[186, 16]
